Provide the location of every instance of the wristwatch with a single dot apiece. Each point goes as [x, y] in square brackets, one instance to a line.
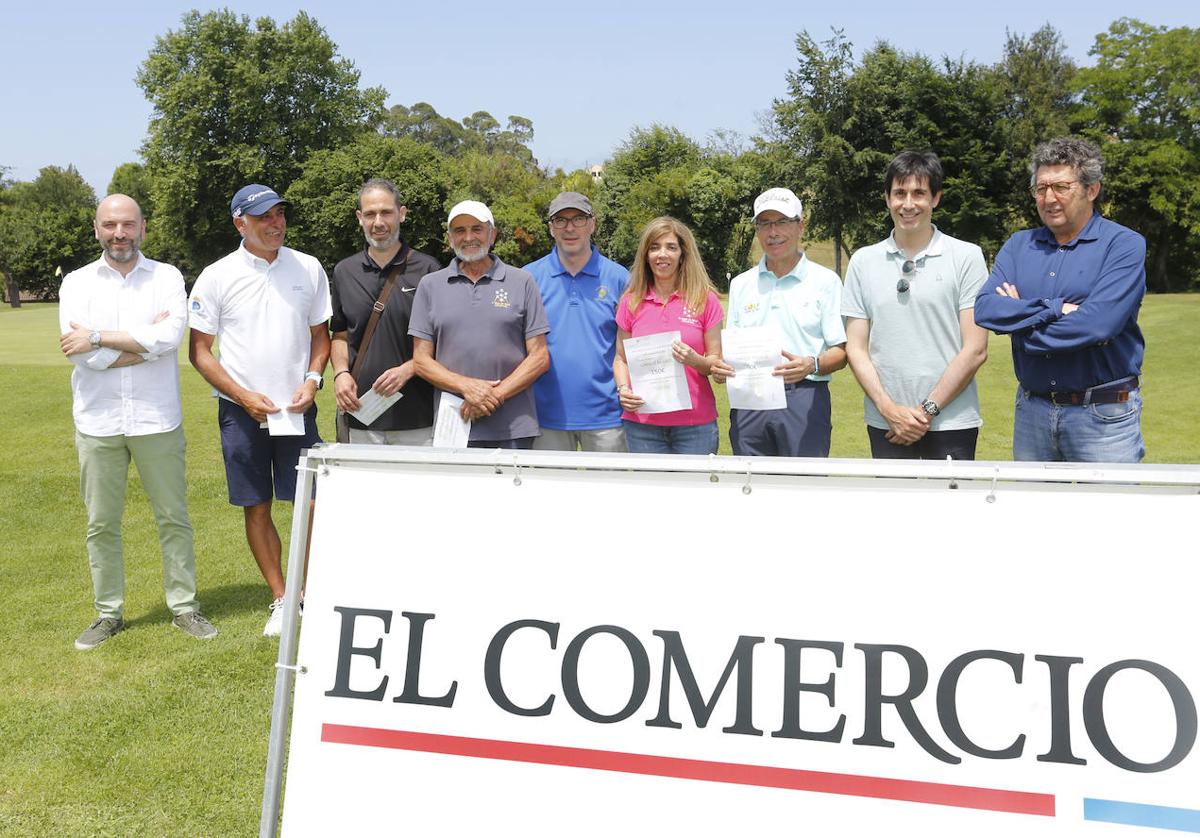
[94, 339]
[930, 407]
[315, 376]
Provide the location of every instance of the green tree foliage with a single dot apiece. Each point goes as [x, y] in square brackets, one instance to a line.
[325, 196]
[1038, 99]
[812, 124]
[843, 122]
[1141, 102]
[133, 180]
[424, 124]
[236, 103]
[661, 171]
[46, 224]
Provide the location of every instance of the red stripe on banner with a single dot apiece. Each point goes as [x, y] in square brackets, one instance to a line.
[997, 800]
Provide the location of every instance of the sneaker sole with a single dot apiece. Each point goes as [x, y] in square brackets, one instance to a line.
[84, 647]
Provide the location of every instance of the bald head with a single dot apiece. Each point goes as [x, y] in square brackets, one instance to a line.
[120, 229]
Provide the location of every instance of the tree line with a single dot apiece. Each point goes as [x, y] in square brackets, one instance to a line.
[237, 101]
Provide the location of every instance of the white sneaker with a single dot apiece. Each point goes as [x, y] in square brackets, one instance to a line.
[274, 625]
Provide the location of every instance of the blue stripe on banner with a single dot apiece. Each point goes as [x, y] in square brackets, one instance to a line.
[1141, 814]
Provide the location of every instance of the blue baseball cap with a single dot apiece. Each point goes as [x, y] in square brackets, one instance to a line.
[254, 199]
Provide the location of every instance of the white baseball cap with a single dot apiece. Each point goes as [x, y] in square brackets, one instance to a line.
[475, 209]
[781, 200]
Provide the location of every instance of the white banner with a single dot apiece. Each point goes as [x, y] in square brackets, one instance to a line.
[623, 651]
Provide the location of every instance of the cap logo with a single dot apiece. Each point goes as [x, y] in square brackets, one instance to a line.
[249, 200]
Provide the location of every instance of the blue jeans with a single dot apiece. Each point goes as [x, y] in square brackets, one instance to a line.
[671, 439]
[1091, 433]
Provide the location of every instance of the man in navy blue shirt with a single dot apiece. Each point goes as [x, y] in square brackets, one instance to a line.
[1068, 293]
[577, 399]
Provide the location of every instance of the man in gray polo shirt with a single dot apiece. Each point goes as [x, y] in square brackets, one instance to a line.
[910, 329]
[479, 330]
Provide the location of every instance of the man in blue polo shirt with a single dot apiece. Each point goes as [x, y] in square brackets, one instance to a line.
[1069, 294]
[576, 399]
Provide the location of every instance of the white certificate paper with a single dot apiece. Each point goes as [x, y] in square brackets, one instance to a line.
[281, 422]
[753, 353]
[655, 375]
[450, 430]
[371, 405]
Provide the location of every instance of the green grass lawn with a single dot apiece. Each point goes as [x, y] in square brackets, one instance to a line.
[158, 734]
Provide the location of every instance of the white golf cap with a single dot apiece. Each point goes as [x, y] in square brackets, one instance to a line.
[781, 200]
[476, 209]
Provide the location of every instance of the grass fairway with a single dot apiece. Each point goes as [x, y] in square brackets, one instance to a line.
[158, 734]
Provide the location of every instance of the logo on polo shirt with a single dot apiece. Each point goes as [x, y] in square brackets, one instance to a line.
[601, 293]
[689, 316]
[750, 308]
[501, 299]
[195, 305]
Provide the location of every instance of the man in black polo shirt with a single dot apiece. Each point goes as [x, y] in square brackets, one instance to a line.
[387, 365]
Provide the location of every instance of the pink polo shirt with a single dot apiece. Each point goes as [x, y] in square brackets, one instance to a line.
[653, 318]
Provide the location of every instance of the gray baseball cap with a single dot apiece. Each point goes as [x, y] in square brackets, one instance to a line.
[570, 200]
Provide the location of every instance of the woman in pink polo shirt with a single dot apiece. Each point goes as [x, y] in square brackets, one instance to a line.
[669, 291]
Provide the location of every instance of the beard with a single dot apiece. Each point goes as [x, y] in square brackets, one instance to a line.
[383, 243]
[478, 255]
[123, 256]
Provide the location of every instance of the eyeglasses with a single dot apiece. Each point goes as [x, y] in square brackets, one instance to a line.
[561, 222]
[907, 269]
[774, 225]
[1061, 189]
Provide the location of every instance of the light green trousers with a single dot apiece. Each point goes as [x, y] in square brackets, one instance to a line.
[103, 473]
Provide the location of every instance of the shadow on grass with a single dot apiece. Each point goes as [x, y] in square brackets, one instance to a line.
[216, 603]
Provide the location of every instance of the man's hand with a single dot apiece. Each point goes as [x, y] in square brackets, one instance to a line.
[76, 342]
[479, 398]
[796, 368]
[345, 393]
[1007, 289]
[391, 380]
[302, 399]
[257, 405]
[721, 371]
[906, 424]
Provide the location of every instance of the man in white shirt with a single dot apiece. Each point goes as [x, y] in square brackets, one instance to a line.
[268, 306]
[121, 319]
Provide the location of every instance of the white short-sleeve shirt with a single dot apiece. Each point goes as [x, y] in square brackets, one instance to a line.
[262, 314]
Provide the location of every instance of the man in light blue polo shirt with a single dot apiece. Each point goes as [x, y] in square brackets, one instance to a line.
[913, 343]
[576, 399]
[803, 302]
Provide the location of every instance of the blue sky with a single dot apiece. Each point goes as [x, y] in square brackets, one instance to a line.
[585, 73]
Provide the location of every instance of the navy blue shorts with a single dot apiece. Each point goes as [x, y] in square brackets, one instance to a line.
[804, 429]
[255, 461]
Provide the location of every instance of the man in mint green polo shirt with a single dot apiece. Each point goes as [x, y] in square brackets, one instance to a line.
[910, 308]
[803, 302]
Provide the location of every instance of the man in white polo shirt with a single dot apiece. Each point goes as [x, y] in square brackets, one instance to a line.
[267, 305]
[802, 301]
[122, 320]
[910, 319]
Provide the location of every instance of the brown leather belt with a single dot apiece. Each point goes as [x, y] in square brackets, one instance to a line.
[1113, 394]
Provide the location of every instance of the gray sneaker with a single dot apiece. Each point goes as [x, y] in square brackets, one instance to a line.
[195, 624]
[100, 630]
